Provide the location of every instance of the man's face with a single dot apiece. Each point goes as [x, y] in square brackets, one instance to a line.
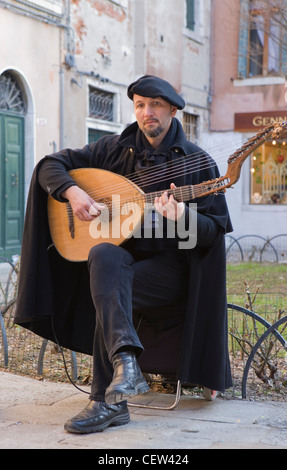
[153, 115]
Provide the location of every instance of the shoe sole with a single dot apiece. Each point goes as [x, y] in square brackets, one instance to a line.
[116, 421]
[117, 397]
[210, 395]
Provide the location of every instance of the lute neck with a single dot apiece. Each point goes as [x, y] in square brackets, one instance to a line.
[182, 194]
[189, 192]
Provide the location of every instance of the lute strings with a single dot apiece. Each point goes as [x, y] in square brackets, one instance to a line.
[150, 175]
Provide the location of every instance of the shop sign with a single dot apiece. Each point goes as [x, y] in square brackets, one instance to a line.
[248, 122]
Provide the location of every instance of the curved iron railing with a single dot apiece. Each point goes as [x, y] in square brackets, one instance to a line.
[269, 328]
[256, 248]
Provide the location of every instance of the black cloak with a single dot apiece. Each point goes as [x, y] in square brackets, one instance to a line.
[52, 287]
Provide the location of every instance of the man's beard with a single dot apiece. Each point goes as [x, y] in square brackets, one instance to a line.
[153, 132]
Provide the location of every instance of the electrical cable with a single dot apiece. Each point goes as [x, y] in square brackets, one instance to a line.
[64, 360]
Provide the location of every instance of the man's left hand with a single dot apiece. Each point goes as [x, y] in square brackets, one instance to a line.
[168, 206]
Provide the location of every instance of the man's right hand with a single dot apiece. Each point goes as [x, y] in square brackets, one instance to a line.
[84, 207]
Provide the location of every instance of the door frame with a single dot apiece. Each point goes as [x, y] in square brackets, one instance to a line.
[29, 129]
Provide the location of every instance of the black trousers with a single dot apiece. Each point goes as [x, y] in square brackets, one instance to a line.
[122, 284]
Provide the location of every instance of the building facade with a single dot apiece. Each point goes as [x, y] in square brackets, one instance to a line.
[249, 92]
[31, 34]
[65, 66]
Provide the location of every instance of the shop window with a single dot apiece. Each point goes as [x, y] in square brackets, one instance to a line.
[269, 174]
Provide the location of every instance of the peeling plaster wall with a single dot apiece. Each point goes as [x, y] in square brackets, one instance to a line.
[114, 45]
[103, 38]
[164, 40]
[110, 44]
[103, 59]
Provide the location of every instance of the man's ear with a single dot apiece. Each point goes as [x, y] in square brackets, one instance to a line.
[173, 110]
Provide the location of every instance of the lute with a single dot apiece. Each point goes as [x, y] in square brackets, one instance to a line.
[126, 203]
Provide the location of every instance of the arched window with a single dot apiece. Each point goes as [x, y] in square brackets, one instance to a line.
[11, 96]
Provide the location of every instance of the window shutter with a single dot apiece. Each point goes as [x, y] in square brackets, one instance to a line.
[190, 14]
[284, 41]
[243, 38]
[284, 53]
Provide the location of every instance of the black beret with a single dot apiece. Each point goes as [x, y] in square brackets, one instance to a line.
[153, 87]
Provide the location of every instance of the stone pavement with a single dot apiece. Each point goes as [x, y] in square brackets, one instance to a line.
[32, 415]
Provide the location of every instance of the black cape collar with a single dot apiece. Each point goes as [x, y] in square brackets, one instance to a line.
[128, 137]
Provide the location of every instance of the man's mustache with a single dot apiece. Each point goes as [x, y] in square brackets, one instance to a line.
[147, 121]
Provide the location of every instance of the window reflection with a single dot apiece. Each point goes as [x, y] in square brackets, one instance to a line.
[269, 174]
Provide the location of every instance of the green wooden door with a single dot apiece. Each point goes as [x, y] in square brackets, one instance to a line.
[11, 184]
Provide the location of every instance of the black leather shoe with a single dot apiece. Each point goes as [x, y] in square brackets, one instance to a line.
[97, 416]
[127, 379]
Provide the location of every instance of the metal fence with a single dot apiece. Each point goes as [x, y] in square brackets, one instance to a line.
[256, 248]
[257, 334]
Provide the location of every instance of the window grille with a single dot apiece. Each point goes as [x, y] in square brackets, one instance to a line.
[11, 96]
[101, 104]
[190, 126]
